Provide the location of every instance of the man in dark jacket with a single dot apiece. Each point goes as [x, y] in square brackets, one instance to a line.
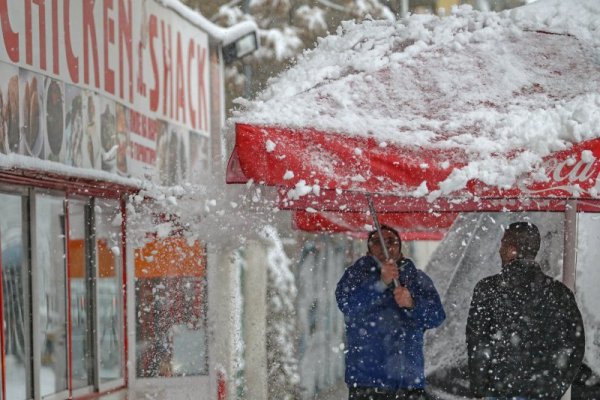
[385, 324]
[525, 334]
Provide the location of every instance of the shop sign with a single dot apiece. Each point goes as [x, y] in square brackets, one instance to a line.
[114, 85]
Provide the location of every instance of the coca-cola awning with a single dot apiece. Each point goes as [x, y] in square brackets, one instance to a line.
[396, 175]
[411, 226]
[472, 112]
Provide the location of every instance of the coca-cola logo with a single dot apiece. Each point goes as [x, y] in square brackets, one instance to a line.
[571, 170]
[574, 174]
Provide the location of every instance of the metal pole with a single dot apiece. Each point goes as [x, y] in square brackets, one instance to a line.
[379, 233]
[570, 255]
[247, 67]
[570, 245]
[403, 8]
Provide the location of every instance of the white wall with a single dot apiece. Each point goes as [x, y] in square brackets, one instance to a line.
[255, 320]
[420, 251]
[318, 267]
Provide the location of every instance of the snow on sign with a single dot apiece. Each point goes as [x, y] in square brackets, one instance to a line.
[455, 113]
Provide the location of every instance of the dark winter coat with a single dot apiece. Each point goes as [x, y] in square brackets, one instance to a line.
[525, 334]
[384, 341]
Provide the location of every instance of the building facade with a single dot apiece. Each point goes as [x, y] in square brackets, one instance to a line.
[99, 100]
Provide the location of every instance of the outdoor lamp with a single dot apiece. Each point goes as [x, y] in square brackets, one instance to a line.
[241, 47]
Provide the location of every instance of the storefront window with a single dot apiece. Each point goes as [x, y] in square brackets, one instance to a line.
[68, 273]
[588, 296]
[110, 295]
[81, 329]
[15, 278]
[49, 273]
[170, 325]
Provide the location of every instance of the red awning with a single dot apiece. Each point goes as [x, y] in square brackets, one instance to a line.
[394, 175]
[334, 161]
[411, 226]
[488, 118]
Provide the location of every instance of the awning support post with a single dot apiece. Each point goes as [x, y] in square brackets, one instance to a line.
[570, 245]
[570, 255]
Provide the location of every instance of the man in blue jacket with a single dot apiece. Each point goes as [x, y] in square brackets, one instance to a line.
[384, 323]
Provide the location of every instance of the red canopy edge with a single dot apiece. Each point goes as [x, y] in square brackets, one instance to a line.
[234, 173]
[411, 226]
[269, 154]
[332, 201]
[344, 168]
[407, 236]
[418, 236]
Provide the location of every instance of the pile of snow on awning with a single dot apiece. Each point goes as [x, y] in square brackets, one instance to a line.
[502, 89]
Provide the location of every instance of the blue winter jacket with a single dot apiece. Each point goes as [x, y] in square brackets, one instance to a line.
[385, 342]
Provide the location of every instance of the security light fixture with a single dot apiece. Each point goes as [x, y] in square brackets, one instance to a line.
[243, 46]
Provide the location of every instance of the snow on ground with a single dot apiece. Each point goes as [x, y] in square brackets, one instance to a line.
[489, 84]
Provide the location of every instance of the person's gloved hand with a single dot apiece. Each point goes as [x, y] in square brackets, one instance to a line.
[403, 297]
[389, 272]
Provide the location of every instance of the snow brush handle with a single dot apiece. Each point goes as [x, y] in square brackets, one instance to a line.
[380, 234]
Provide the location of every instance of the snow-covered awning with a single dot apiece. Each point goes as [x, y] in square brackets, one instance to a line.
[456, 113]
[410, 226]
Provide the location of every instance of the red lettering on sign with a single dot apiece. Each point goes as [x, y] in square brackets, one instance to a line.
[10, 37]
[104, 33]
[55, 60]
[137, 125]
[155, 91]
[142, 125]
[141, 85]
[221, 386]
[143, 153]
[152, 129]
[167, 70]
[109, 37]
[180, 85]
[72, 59]
[125, 34]
[28, 34]
[202, 104]
[191, 54]
[89, 34]
[42, 31]
[134, 125]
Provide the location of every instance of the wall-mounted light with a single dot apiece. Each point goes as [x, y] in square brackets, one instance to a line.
[243, 46]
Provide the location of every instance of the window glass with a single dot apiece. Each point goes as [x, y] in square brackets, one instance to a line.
[50, 274]
[587, 293]
[81, 343]
[189, 354]
[171, 324]
[110, 331]
[15, 278]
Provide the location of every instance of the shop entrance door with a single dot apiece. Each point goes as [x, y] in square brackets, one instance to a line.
[16, 317]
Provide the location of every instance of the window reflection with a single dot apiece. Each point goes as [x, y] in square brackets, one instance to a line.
[49, 248]
[170, 326]
[588, 298]
[14, 282]
[81, 344]
[110, 309]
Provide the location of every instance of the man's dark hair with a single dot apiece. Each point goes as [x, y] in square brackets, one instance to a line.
[373, 235]
[525, 236]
